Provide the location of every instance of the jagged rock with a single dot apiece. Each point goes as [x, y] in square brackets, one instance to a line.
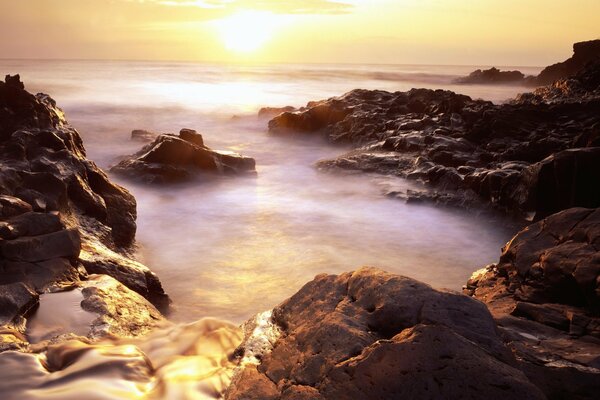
[495, 76]
[583, 53]
[65, 243]
[53, 202]
[173, 158]
[468, 152]
[373, 335]
[570, 178]
[544, 294]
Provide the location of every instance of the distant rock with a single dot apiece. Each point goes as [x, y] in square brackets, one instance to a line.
[374, 335]
[495, 76]
[583, 53]
[544, 294]
[173, 158]
[270, 112]
[142, 135]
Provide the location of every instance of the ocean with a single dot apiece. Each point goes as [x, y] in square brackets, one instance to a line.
[234, 247]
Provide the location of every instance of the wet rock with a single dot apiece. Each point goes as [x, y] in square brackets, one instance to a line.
[583, 53]
[544, 296]
[122, 312]
[495, 76]
[65, 243]
[469, 152]
[30, 224]
[173, 158]
[16, 299]
[370, 334]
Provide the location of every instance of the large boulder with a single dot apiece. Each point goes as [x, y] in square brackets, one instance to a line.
[373, 335]
[545, 295]
[173, 158]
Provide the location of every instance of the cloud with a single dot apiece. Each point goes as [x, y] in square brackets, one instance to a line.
[275, 6]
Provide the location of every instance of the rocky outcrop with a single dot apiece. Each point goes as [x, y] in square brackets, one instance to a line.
[544, 294]
[583, 53]
[270, 112]
[180, 158]
[60, 216]
[495, 76]
[466, 152]
[373, 335]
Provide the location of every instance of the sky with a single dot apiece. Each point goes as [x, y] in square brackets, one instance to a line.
[446, 32]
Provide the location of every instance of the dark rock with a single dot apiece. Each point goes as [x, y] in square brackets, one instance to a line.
[30, 224]
[16, 299]
[583, 53]
[544, 294]
[373, 335]
[495, 76]
[173, 159]
[11, 206]
[65, 243]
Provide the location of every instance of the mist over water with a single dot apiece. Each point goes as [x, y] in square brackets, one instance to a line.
[233, 247]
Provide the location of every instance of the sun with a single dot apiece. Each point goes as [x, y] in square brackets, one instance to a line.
[247, 31]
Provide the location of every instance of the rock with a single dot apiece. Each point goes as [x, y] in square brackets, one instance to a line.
[16, 299]
[467, 152]
[583, 53]
[65, 243]
[30, 224]
[174, 159]
[570, 178]
[545, 297]
[370, 334]
[495, 76]
[143, 135]
[11, 206]
[122, 312]
[270, 112]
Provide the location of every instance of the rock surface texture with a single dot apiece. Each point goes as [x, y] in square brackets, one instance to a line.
[534, 156]
[544, 294]
[60, 215]
[171, 158]
[374, 335]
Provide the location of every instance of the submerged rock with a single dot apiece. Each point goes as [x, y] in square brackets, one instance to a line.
[544, 294]
[173, 158]
[374, 335]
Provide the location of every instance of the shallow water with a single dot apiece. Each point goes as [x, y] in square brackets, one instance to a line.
[238, 246]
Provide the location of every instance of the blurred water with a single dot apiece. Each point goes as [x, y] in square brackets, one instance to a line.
[234, 247]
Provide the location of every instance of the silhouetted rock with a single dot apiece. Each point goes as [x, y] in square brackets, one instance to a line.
[173, 158]
[373, 335]
[583, 53]
[495, 76]
[544, 295]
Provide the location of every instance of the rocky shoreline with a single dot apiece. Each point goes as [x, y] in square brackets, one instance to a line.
[526, 327]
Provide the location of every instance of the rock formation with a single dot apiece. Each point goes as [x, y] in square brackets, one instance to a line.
[544, 293]
[495, 76]
[171, 158]
[60, 216]
[468, 151]
[583, 53]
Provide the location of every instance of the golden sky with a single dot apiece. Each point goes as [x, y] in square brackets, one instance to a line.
[474, 32]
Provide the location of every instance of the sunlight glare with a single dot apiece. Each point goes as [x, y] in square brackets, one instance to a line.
[247, 31]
